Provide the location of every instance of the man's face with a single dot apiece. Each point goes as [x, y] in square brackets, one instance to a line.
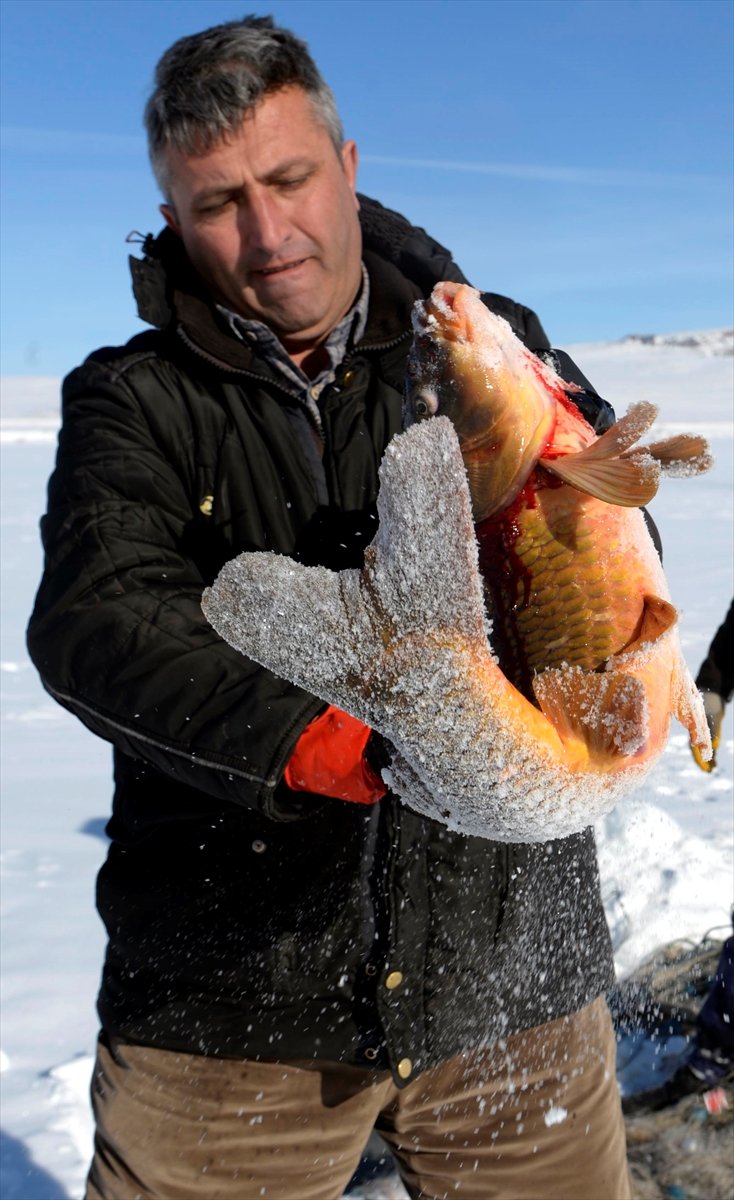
[269, 218]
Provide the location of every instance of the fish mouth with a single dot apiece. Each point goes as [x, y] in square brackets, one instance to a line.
[446, 314]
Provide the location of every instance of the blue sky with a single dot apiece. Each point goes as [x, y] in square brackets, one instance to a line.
[574, 154]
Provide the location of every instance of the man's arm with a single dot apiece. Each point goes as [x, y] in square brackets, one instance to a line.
[117, 633]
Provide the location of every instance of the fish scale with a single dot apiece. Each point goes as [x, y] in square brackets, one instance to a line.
[551, 602]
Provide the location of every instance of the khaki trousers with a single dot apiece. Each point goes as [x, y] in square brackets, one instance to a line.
[538, 1118]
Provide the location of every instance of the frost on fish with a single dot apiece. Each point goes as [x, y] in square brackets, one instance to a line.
[403, 646]
[555, 1115]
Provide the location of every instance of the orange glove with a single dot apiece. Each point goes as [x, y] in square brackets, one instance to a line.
[329, 759]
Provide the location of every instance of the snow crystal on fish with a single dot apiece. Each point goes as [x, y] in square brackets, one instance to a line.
[402, 646]
[555, 1115]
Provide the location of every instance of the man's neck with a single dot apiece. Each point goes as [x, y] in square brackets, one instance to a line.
[312, 360]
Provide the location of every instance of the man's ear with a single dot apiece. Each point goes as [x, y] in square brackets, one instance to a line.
[349, 159]
[169, 216]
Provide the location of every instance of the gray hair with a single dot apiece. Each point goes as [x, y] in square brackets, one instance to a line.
[206, 83]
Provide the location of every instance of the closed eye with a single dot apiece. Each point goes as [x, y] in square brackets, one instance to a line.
[292, 184]
[214, 206]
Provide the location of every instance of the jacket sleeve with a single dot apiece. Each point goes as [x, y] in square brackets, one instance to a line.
[117, 633]
[716, 673]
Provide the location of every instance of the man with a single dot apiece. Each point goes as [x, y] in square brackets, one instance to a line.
[708, 1059]
[715, 681]
[294, 958]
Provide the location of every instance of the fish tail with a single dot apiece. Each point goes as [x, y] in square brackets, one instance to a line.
[605, 712]
[681, 455]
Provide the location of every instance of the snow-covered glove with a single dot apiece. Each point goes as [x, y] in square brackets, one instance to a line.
[332, 758]
[402, 644]
[713, 705]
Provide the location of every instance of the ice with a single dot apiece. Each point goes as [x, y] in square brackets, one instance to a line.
[636, 421]
[503, 345]
[555, 1115]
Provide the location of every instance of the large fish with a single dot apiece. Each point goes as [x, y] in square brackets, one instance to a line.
[571, 571]
[403, 643]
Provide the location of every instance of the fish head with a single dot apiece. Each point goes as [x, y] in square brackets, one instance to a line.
[466, 364]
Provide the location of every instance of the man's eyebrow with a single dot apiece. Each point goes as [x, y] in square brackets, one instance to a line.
[272, 176]
[222, 189]
[299, 163]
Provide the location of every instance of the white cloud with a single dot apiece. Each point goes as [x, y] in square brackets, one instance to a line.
[69, 141]
[580, 176]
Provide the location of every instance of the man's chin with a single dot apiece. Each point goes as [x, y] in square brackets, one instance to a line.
[303, 322]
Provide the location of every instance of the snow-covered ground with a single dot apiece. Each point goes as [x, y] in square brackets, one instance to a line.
[666, 854]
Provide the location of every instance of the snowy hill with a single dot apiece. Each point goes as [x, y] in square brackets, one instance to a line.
[714, 341]
[666, 854]
[34, 397]
[690, 377]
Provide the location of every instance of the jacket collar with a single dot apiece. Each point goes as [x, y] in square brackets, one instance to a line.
[403, 263]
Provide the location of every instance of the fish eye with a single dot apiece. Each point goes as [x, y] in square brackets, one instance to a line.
[425, 404]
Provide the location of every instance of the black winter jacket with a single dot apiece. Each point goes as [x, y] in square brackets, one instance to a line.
[244, 919]
[716, 673]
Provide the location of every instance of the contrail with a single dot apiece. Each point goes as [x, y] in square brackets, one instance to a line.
[585, 176]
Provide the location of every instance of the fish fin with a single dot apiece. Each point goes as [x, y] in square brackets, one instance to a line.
[608, 469]
[482, 476]
[658, 616]
[605, 710]
[626, 482]
[683, 454]
[625, 432]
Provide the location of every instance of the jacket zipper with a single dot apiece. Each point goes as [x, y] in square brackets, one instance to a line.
[229, 369]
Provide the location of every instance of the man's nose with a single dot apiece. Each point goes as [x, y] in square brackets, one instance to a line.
[265, 226]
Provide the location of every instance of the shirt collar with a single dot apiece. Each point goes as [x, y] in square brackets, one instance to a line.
[347, 333]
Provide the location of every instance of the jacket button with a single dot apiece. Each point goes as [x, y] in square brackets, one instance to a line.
[370, 1052]
[405, 1068]
[207, 505]
[370, 969]
[258, 846]
[347, 377]
[394, 979]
